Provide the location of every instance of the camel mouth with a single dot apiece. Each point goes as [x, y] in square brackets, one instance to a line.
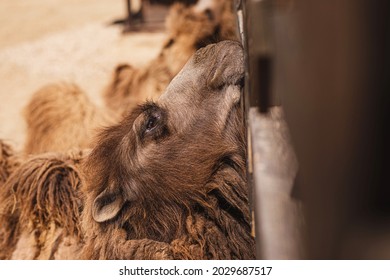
[234, 110]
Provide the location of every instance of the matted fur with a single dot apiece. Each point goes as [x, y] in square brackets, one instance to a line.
[60, 117]
[179, 192]
[40, 208]
[188, 29]
[167, 182]
[9, 161]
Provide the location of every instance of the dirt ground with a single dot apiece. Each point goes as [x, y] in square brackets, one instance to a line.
[46, 41]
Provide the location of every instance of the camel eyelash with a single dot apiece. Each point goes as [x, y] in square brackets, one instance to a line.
[154, 125]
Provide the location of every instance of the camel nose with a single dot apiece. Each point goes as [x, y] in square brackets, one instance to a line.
[229, 48]
[228, 64]
[216, 53]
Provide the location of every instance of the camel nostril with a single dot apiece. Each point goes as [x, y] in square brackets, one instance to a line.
[241, 82]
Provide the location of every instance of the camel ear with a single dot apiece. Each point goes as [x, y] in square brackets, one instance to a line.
[107, 205]
[122, 71]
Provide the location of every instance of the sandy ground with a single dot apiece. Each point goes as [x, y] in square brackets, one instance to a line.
[47, 41]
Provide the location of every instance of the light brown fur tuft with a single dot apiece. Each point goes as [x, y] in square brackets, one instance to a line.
[60, 117]
[9, 161]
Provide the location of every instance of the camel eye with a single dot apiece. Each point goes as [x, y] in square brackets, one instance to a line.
[151, 123]
[154, 125]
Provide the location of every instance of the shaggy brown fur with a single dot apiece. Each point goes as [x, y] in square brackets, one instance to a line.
[9, 161]
[40, 208]
[60, 117]
[188, 29]
[169, 181]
